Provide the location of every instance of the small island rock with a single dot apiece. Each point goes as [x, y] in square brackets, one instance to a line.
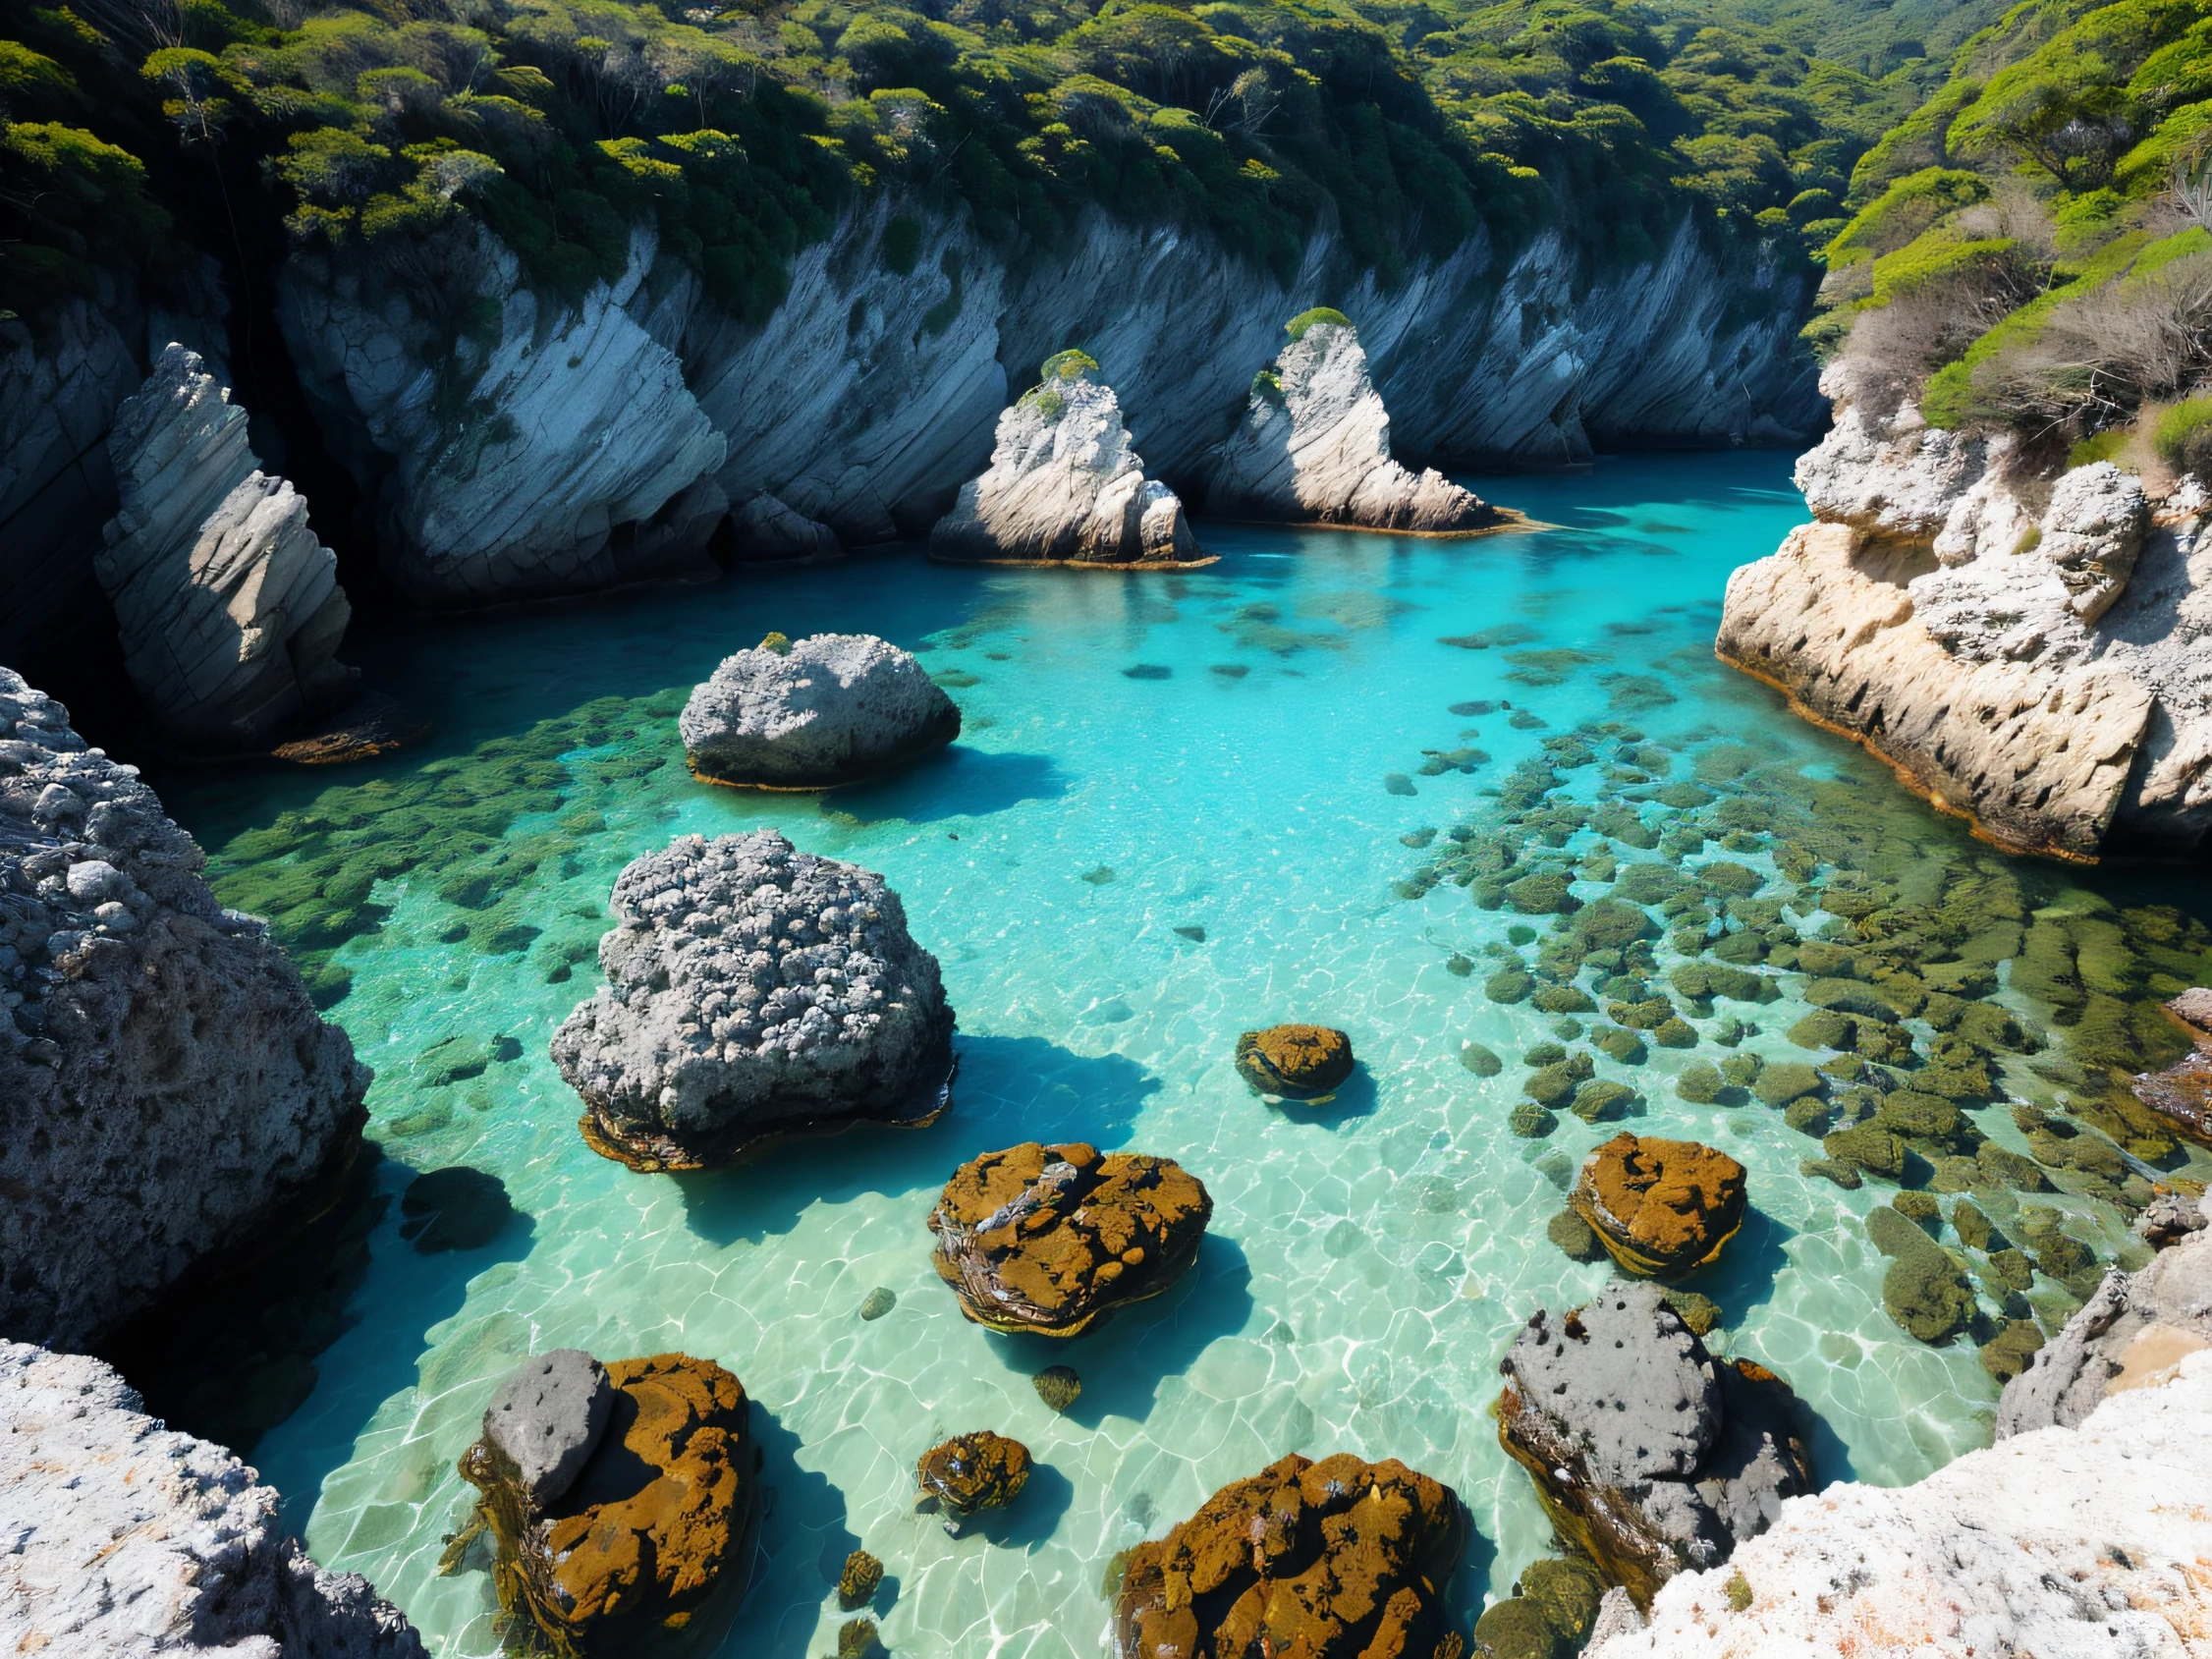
[1649, 1456]
[660, 1516]
[1064, 486]
[1052, 1239]
[812, 713]
[1301, 1556]
[752, 991]
[1314, 447]
[970, 1473]
[1660, 1207]
[1295, 1062]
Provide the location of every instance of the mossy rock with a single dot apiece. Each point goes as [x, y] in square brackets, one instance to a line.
[1895, 1232]
[1531, 1122]
[1921, 1208]
[1553, 1084]
[1544, 893]
[2003, 1168]
[1927, 1292]
[1988, 1026]
[2009, 1351]
[1482, 1062]
[1705, 981]
[1702, 1313]
[1742, 1071]
[450, 1060]
[1843, 1175]
[1824, 1028]
[1743, 949]
[1735, 880]
[1562, 999]
[1517, 1628]
[1779, 1085]
[1647, 1015]
[1956, 1173]
[1609, 924]
[1600, 1100]
[1847, 996]
[2012, 1270]
[1925, 1117]
[1674, 1032]
[1543, 1054]
[1699, 1084]
[1974, 1229]
[1622, 1045]
[1648, 884]
[1876, 1151]
[1810, 1113]
[1509, 985]
[1955, 1083]
[1572, 1233]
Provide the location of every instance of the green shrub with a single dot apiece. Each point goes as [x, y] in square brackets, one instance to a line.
[1305, 320]
[2182, 436]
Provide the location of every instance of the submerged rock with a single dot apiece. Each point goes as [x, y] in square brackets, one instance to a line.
[1648, 1454]
[1314, 447]
[1660, 1207]
[1064, 488]
[1295, 1062]
[456, 1208]
[1299, 1559]
[1052, 1239]
[230, 608]
[858, 1583]
[171, 1095]
[644, 1519]
[128, 1537]
[812, 713]
[752, 991]
[971, 1473]
[1057, 1386]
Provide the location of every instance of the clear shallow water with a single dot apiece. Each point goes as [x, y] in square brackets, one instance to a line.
[1367, 1263]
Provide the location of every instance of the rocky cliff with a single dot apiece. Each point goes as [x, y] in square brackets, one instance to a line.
[126, 1537]
[229, 608]
[2028, 647]
[167, 1092]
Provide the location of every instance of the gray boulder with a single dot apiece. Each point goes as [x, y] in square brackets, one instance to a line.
[1647, 1452]
[828, 709]
[126, 1537]
[752, 991]
[167, 1093]
[546, 1418]
[230, 607]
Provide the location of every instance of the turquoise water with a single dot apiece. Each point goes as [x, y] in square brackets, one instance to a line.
[1367, 1262]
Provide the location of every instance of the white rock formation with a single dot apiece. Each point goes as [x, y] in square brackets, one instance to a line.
[230, 608]
[752, 991]
[810, 713]
[1064, 486]
[2044, 669]
[126, 1537]
[166, 1089]
[2075, 1542]
[1314, 448]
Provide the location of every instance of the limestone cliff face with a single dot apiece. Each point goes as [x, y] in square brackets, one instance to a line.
[612, 449]
[2033, 651]
[230, 608]
[1314, 447]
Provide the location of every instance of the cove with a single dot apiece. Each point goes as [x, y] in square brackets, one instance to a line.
[1254, 750]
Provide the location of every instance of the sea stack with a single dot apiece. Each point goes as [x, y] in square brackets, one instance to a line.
[814, 713]
[1314, 447]
[230, 607]
[1064, 488]
[170, 1093]
[753, 991]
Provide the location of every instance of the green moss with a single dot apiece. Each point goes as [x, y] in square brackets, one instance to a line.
[1296, 327]
[1699, 1084]
[1531, 1122]
[1562, 999]
[1874, 1150]
[1927, 1292]
[2182, 436]
[1674, 1032]
[1602, 1100]
[1572, 1233]
[2009, 1351]
[1779, 1085]
[1622, 1045]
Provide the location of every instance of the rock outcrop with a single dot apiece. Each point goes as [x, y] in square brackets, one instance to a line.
[1339, 1559]
[1314, 447]
[230, 608]
[752, 991]
[1064, 486]
[1052, 1239]
[1650, 1456]
[646, 1517]
[2181, 1094]
[1661, 1208]
[2043, 670]
[124, 1536]
[970, 1473]
[2086, 1540]
[2131, 1334]
[813, 713]
[765, 531]
[1295, 1062]
[167, 1093]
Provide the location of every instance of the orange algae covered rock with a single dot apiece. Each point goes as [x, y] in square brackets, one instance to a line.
[1660, 1207]
[970, 1473]
[1052, 1238]
[1339, 1559]
[1300, 1062]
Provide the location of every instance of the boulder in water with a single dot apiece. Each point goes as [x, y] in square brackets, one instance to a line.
[1064, 488]
[971, 1473]
[813, 713]
[546, 1419]
[1660, 1207]
[753, 991]
[1295, 1062]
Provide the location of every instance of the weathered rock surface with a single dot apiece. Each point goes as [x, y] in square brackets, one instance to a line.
[2170, 1218]
[2182, 1093]
[2059, 1542]
[1052, 1239]
[2046, 672]
[546, 1419]
[1314, 447]
[1649, 1455]
[2131, 1334]
[1296, 1062]
[659, 1521]
[828, 709]
[126, 1537]
[971, 1473]
[1336, 1560]
[167, 1093]
[764, 529]
[752, 991]
[229, 606]
[1064, 486]
[1661, 1208]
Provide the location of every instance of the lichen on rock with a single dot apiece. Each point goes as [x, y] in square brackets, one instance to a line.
[752, 991]
[1660, 1207]
[1295, 1062]
[970, 1473]
[813, 713]
[1052, 1239]
[1340, 1559]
